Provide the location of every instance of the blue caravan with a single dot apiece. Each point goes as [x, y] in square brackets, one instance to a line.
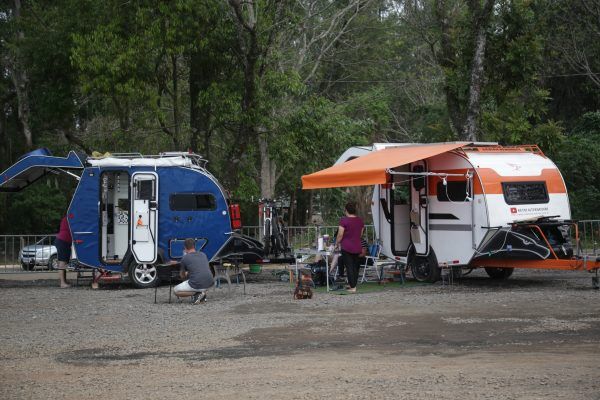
[131, 212]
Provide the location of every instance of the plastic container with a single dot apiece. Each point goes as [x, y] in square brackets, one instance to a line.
[255, 268]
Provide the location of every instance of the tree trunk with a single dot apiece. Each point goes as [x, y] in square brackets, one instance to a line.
[446, 57]
[202, 73]
[21, 83]
[175, 100]
[267, 169]
[471, 126]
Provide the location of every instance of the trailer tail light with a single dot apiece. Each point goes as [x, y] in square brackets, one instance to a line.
[236, 216]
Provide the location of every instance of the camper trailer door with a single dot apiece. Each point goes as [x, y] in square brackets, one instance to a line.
[419, 221]
[144, 221]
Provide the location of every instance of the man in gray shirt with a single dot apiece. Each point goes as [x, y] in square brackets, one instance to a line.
[195, 271]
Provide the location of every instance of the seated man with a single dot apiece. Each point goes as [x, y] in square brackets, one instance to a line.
[195, 271]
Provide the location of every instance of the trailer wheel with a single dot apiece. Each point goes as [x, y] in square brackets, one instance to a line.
[424, 268]
[143, 275]
[499, 273]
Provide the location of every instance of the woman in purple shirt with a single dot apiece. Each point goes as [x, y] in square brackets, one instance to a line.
[63, 246]
[348, 239]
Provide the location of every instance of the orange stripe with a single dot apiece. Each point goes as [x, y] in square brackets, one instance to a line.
[492, 181]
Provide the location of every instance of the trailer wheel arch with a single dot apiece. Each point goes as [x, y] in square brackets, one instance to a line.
[423, 268]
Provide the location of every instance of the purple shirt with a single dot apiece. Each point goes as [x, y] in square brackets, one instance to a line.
[64, 233]
[353, 227]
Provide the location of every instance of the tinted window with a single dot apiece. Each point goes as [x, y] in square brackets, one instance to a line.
[525, 192]
[452, 191]
[145, 190]
[192, 202]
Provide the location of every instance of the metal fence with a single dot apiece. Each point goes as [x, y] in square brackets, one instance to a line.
[589, 236]
[34, 253]
[27, 253]
[305, 236]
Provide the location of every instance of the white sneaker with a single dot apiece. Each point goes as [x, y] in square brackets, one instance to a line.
[200, 299]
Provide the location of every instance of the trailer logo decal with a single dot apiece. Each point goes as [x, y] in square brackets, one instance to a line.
[529, 210]
[515, 167]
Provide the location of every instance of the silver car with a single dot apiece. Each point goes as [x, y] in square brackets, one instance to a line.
[42, 253]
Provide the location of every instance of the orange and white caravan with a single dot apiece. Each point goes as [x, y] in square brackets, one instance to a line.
[464, 205]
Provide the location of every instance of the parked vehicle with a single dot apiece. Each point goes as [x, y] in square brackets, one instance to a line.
[469, 205]
[42, 253]
[131, 212]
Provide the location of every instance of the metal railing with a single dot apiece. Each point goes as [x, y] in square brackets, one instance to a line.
[589, 236]
[40, 253]
[27, 253]
[305, 236]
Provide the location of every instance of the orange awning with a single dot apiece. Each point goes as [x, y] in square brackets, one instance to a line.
[371, 169]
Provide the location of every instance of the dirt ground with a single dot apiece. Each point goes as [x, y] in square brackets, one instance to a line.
[535, 336]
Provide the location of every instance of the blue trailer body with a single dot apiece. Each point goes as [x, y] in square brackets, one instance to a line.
[133, 210]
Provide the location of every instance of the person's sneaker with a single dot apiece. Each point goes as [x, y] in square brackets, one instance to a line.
[200, 298]
[195, 297]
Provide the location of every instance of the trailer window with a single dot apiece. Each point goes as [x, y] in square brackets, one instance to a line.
[192, 202]
[452, 191]
[525, 192]
[145, 190]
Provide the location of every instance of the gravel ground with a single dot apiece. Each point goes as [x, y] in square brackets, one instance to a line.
[535, 336]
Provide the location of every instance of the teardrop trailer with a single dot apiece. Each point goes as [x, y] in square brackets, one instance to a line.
[464, 205]
[131, 212]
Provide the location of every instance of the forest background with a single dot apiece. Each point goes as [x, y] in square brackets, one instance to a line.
[270, 90]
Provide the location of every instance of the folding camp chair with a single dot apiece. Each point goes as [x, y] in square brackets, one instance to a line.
[374, 253]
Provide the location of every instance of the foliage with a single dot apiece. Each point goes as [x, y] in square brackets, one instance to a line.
[308, 78]
[579, 162]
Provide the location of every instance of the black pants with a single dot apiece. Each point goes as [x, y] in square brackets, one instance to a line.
[351, 263]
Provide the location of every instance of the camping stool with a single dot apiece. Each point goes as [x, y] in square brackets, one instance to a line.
[396, 269]
[224, 269]
[166, 272]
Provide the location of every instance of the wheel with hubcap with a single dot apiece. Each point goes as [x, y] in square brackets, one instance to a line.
[499, 273]
[424, 268]
[143, 275]
[53, 263]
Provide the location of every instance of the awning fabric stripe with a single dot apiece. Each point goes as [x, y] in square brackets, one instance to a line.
[371, 169]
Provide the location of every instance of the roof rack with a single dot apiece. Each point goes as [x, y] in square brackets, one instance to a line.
[195, 158]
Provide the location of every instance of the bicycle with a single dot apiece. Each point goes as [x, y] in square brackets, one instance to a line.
[274, 229]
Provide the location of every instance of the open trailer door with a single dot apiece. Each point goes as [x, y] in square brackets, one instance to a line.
[34, 166]
[144, 224]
